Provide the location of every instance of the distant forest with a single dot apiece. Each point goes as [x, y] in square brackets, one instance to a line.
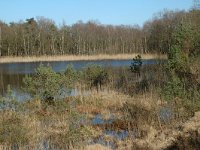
[41, 36]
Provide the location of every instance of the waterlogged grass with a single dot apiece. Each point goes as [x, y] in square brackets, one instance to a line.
[67, 124]
[102, 120]
[57, 125]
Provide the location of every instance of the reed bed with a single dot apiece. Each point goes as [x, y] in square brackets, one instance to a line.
[78, 57]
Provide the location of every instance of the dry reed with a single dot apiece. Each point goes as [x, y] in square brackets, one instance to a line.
[9, 59]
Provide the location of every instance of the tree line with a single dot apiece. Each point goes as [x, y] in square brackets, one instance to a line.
[41, 36]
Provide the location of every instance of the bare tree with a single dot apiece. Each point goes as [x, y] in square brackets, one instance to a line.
[196, 4]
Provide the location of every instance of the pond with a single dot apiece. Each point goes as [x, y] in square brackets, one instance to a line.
[13, 73]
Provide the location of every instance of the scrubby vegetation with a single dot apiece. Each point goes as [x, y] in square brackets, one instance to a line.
[138, 107]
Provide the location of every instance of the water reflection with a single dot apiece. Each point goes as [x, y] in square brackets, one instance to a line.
[13, 73]
[28, 68]
[14, 80]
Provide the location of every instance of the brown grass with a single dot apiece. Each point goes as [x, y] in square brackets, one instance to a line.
[96, 147]
[54, 125]
[104, 103]
[12, 122]
[10, 59]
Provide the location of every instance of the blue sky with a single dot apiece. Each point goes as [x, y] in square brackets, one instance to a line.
[115, 12]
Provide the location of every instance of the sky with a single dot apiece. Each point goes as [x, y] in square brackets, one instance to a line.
[116, 12]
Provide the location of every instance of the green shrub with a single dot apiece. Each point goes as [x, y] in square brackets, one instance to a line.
[182, 84]
[173, 89]
[136, 64]
[70, 77]
[45, 83]
[95, 76]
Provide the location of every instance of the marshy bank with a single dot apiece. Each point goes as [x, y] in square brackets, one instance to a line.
[102, 120]
[13, 73]
[125, 109]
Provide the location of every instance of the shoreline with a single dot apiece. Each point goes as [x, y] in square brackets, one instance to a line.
[21, 59]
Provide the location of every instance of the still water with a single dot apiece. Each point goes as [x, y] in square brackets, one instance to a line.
[13, 73]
